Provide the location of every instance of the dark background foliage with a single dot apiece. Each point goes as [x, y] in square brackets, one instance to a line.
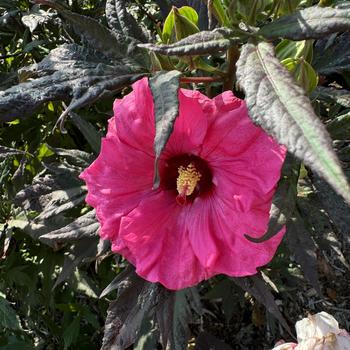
[60, 286]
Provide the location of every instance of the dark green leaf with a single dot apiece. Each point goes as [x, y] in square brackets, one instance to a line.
[281, 108]
[119, 311]
[85, 226]
[8, 79]
[121, 278]
[164, 87]
[174, 316]
[201, 43]
[339, 127]
[206, 341]
[8, 316]
[283, 201]
[69, 71]
[337, 209]
[119, 19]
[115, 45]
[37, 196]
[256, 286]
[303, 248]
[71, 333]
[148, 336]
[310, 23]
[332, 95]
[324, 233]
[147, 300]
[332, 55]
[91, 134]
[75, 157]
[61, 200]
[81, 252]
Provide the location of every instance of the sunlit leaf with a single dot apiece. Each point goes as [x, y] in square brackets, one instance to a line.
[115, 45]
[180, 23]
[69, 71]
[281, 107]
[202, 43]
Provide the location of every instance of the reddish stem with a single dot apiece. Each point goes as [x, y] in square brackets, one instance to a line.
[197, 80]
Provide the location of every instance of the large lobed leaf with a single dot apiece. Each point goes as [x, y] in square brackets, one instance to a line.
[164, 87]
[52, 194]
[201, 43]
[282, 109]
[310, 23]
[125, 315]
[69, 71]
[113, 44]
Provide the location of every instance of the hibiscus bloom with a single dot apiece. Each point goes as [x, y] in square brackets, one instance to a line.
[218, 174]
[318, 332]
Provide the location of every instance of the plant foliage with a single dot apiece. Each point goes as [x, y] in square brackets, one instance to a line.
[64, 62]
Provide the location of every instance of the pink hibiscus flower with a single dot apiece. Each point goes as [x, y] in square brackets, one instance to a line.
[218, 175]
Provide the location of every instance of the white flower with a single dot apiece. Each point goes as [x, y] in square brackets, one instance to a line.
[318, 332]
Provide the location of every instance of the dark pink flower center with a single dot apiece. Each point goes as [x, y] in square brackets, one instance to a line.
[188, 176]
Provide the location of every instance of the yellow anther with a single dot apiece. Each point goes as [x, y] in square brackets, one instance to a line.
[187, 180]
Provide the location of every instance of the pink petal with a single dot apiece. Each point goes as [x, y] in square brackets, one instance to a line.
[117, 180]
[134, 118]
[156, 234]
[190, 126]
[216, 232]
[230, 130]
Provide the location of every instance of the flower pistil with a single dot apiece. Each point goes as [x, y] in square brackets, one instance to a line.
[186, 182]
